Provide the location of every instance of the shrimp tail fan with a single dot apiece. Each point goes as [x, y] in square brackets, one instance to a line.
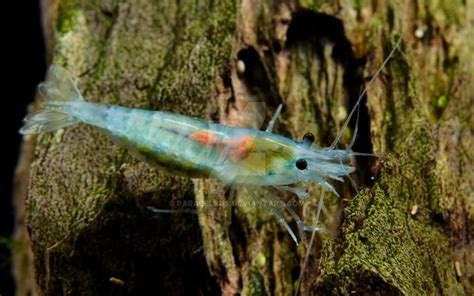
[57, 90]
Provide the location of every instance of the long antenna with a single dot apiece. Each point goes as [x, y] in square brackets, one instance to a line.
[333, 145]
[341, 132]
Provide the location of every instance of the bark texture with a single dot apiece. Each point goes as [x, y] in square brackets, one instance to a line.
[408, 231]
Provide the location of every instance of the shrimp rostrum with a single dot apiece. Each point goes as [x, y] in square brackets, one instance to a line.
[197, 148]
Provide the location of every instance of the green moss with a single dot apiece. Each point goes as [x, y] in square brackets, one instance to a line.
[384, 241]
[261, 260]
[310, 4]
[113, 101]
[256, 284]
[442, 102]
[67, 15]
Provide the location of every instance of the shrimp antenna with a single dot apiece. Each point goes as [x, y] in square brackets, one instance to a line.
[333, 145]
[357, 104]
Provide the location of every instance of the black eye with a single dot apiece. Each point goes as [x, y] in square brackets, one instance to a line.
[308, 139]
[301, 164]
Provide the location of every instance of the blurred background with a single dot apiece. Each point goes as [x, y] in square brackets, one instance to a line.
[25, 63]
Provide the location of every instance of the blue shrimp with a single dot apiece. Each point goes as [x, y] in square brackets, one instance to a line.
[197, 148]
[192, 147]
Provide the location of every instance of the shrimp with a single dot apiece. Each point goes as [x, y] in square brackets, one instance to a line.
[192, 147]
[187, 146]
[197, 148]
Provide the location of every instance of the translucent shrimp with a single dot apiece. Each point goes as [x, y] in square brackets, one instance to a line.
[192, 147]
[200, 149]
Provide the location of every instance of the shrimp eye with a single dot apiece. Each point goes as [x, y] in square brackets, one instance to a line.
[301, 164]
[308, 139]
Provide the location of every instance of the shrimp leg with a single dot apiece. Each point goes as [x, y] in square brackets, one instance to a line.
[228, 220]
[299, 223]
[275, 213]
[301, 193]
[271, 123]
[353, 184]
[311, 241]
[171, 211]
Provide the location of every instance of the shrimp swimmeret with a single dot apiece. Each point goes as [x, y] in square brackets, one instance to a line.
[200, 149]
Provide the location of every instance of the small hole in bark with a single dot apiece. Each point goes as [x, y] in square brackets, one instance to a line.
[276, 46]
[107, 13]
[254, 74]
[438, 218]
[249, 57]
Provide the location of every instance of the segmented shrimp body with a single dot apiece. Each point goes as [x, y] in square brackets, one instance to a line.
[197, 148]
[200, 149]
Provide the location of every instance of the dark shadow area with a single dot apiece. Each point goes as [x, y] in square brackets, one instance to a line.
[24, 68]
[314, 29]
[129, 250]
[254, 75]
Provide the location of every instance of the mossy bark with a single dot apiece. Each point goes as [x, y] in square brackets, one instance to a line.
[408, 231]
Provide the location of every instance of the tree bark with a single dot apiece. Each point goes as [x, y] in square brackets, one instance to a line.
[408, 231]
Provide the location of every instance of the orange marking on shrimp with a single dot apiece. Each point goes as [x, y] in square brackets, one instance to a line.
[203, 137]
[239, 147]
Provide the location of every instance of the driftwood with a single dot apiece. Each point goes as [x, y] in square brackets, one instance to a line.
[408, 231]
